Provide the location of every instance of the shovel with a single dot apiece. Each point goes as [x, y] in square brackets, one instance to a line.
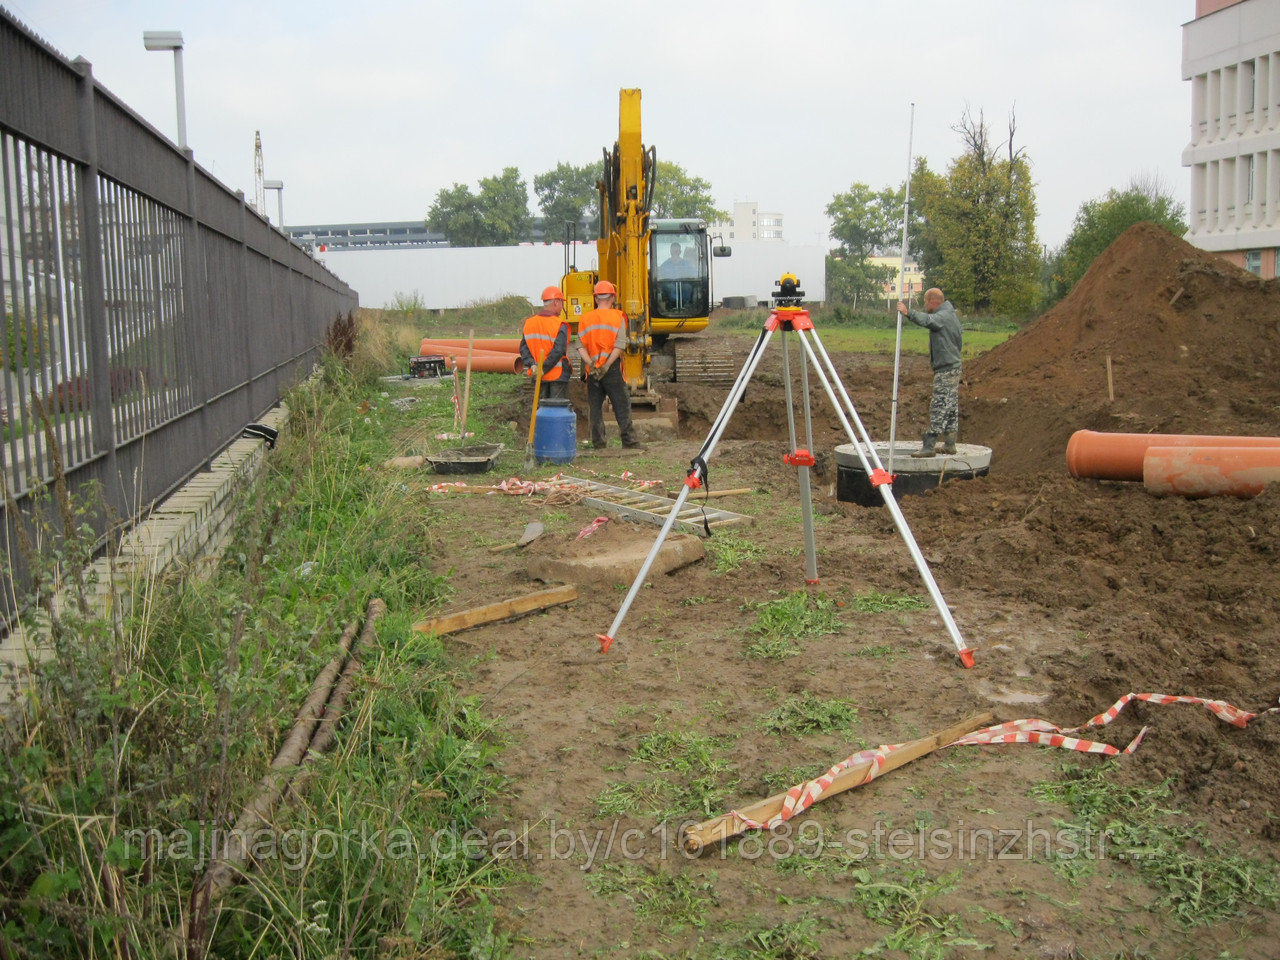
[533, 417]
[531, 533]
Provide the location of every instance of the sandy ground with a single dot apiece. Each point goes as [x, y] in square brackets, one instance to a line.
[1072, 593]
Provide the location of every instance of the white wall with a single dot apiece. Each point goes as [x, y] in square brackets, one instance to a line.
[447, 277]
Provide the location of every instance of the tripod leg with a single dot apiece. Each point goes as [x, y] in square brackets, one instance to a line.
[868, 457]
[806, 494]
[695, 478]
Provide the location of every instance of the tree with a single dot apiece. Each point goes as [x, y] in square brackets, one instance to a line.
[497, 215]
[850, 279]
[676, 194]
[864, 223]
[568, 194]
[978, 242]
[1099, 222]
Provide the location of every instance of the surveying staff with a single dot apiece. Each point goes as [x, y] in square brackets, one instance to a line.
[939, 317]
[601, 337]
[545, 340]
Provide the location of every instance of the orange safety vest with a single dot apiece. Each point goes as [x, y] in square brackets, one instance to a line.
[599, 331]
[540, 332]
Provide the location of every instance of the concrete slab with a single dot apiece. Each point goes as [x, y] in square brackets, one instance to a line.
[614, 559]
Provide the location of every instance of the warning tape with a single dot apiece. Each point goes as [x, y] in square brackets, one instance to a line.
[1041, 732]
[592, 527]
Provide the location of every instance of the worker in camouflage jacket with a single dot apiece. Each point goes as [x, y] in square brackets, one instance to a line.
[939, 318]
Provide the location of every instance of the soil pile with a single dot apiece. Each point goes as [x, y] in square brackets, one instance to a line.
[1193, 343]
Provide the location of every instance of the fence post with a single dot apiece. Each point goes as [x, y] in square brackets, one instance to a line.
[195, 302]
[245, 339]
[95, 295]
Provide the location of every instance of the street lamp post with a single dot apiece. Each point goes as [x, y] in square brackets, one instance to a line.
[277, 185]
[172, 40]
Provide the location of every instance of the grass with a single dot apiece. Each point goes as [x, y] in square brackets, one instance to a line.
[683, 775]
[730, 552]
[674, 900]
[779, 623]
[899, 896]
[807, 714]
[1195, 880]
[875, 602]
[141, 734]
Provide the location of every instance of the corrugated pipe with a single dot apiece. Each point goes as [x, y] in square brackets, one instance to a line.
[1119, 456]
[1210, 471]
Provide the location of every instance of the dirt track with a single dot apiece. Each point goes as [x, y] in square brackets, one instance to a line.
[1072, 593]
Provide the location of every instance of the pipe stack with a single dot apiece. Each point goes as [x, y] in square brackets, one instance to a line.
[1183, 464]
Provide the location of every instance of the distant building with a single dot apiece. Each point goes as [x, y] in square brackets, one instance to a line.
[748, 223]
[912, 278]
[1231, 55]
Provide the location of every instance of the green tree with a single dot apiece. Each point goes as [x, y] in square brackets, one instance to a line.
[850, 280]
[864, 223]
[978, 241]
[456, 214]
[568, 194]
[496, 215]
[1100, 221]
[676, 194]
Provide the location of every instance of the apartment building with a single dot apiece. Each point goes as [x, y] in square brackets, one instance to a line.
[1231, 55]
[748, 223]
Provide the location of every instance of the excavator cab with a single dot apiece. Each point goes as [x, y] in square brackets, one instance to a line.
[679, 277]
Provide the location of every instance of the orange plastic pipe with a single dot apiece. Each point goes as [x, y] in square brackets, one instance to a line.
[1118, 456]
[1210, 471]
[493, 344]
[482, 362]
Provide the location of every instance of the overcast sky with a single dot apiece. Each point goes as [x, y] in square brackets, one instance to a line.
[367, 109]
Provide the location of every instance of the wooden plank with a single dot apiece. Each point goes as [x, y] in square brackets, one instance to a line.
[530, 602]
[699, 835]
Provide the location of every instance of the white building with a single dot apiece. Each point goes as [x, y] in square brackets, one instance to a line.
[748, 223]
[449, 277]
[1231, 55]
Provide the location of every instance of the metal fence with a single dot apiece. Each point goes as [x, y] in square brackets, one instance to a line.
[149, 312]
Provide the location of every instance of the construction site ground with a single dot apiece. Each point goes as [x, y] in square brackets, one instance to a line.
[1072, 593]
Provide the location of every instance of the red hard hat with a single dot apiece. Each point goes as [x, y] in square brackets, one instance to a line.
[605, 287]
[552, 293]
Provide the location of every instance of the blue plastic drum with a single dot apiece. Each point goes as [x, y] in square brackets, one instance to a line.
[555, 432]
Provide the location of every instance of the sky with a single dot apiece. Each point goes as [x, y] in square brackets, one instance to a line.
[368, 109]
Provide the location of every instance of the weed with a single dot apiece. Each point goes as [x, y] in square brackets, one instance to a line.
[793, 616]
[674, 899]
[898, 896]
[731, 552]
[686, 777]
[874, 602]
[1197, 882]
[807, 714]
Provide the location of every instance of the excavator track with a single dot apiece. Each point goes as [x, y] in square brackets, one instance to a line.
[713, 367]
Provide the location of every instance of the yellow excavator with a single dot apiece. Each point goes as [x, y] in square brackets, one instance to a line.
[672, 297]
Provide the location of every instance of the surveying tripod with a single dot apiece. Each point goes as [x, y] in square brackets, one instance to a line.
[788, 316]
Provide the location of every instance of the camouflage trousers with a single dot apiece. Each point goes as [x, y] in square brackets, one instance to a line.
[944, 406]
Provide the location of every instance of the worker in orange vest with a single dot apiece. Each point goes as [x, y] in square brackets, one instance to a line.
[602, 333]
[545, 340]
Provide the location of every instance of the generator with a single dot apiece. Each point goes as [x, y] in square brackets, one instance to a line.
[423, 367]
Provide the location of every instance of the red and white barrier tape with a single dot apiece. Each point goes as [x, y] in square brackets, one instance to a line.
[592, 527]
[1041, 732]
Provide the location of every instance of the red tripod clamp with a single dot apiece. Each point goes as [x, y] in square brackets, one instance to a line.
[879, 478]
[801, 458]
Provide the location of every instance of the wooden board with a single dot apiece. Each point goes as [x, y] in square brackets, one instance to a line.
[491, 612]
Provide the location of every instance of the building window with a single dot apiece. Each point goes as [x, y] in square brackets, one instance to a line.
[1278, 261]
[1253, 262]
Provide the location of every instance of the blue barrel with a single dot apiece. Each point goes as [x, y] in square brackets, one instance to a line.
[555, 433]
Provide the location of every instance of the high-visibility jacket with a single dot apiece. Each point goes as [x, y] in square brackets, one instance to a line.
[545, 341]
[600, 330]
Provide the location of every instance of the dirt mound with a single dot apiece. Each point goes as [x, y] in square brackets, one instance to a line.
[1193, 342]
